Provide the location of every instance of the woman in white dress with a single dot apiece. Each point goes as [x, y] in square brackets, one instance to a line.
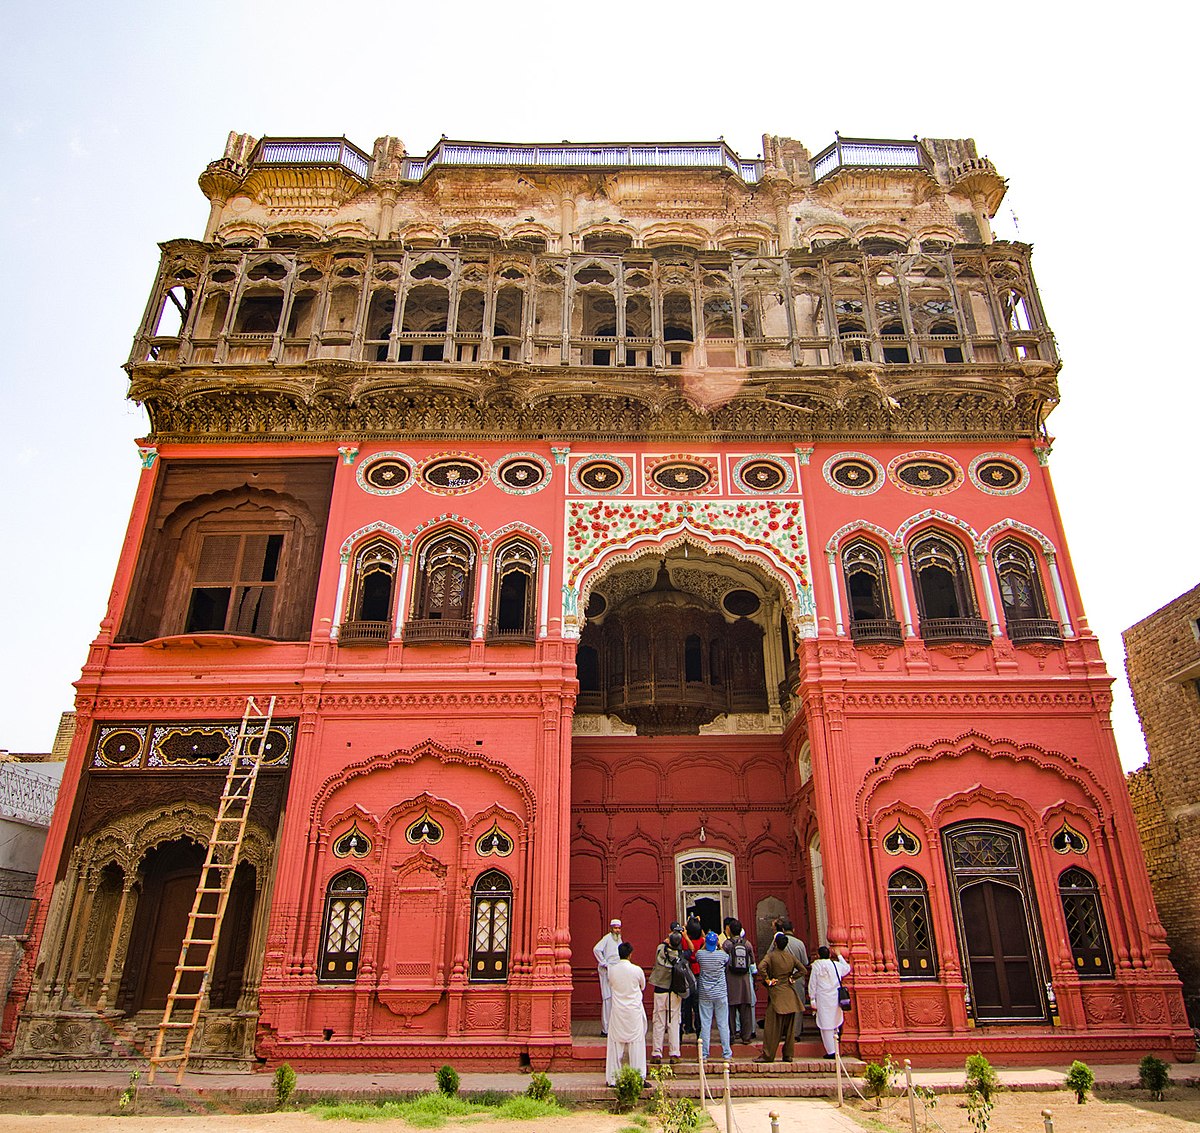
[823, 981]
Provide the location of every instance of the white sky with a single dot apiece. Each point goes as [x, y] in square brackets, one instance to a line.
[109, 112]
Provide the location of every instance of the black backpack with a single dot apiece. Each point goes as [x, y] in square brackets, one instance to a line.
[739, 959]
[682, 980]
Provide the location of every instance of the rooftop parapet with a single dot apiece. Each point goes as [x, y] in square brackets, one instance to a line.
[870, 153]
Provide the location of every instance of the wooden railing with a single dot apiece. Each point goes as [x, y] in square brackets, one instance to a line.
[973, 630]
[866, 631]
[364, 633]
[438, 629]
[1034, 629]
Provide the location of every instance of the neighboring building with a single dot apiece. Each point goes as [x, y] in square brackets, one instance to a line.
[1162, 658]
[29, 783]
[625, 529]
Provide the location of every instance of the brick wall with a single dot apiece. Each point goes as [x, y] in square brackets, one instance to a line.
[1162, 659]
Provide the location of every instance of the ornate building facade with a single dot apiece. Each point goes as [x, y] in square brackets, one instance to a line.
[624, 530]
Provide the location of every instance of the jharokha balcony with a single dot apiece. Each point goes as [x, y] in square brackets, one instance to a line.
[365, 633]
[438, 629]
[873, 631]
[972, 630]
[1028, 630]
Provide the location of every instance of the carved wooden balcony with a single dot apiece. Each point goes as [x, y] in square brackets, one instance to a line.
[522, 636]
[364, 633]
[973, 630]
[438, 629]
[1046, 630]
[872, 631]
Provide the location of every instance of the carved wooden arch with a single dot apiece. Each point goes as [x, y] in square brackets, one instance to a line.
[128, 839]
[856, 527]
[235, 500]
[240, 230]
[435, 805]
[296, 227]
[676, 232]
[826, 232]
[475, 228]
[933, 517]
[409, 756]
[883, 231]
[1007, 527]
[379, 527]
[421, 232]
[681, 534]
[969, 742]
[349, 230]
[449, 519]
[518, 528]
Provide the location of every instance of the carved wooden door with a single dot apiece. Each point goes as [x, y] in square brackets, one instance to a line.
[166, 934]
[1000, 953]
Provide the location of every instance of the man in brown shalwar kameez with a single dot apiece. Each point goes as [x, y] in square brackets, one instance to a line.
[780, 970]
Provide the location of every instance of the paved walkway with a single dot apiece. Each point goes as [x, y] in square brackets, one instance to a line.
[812, 1115]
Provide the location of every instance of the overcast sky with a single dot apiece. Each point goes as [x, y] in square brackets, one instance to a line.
[109, 112]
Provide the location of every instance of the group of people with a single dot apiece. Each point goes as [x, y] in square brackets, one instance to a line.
[700, 977]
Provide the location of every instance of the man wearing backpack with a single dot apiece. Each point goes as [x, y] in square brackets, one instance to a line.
[739, 983]
[672, 981]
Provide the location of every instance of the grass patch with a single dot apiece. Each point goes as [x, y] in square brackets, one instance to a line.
[433, 1110]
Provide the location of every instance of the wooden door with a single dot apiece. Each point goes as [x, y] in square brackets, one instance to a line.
[1004, 981]
[166, 934]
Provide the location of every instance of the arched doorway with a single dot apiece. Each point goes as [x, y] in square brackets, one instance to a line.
[997, 922]
[170, 874]
[680, 776]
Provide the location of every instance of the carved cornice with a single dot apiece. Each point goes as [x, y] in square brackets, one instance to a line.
[969, 701]
[365, 401]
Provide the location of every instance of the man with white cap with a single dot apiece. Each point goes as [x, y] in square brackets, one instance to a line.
[627, 1019]
[606, 956]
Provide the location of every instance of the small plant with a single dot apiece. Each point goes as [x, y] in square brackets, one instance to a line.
[447, 1081]
[981, 1078]
[1080, 1079]
[1153, 1075]
[629, 1088]
[539, 1088]
[880, 1078]
[979, 1112]
[128, 1096]
[284, 1081]
[680, 1115]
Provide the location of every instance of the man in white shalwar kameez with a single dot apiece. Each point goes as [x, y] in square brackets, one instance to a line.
[823, 980]
[605, 952]
[626, 1018]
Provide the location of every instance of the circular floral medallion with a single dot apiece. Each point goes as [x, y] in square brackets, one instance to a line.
[120, 747]
[451, 472]
[925, 473]
[761, 475]
[681, 476]
[741, 603]
[854, 473]
[998, 474]
[601, 474]
[385, 474]
[522, 473]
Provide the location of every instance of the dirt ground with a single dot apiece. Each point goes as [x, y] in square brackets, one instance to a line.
[584, 1121]
[1124, 1111]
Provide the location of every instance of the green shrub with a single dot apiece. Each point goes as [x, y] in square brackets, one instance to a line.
[1153, 1075]
[981, 1078]
[447, 1081]
[979, 1112]
[284, 1081]
[629, 1088]
[539, 1088]
[1080, 1079]
[879, 1078]
[127, 1099]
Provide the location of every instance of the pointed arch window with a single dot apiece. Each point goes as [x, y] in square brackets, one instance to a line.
[491, 923]
[345, 906]
[514, 592]
[1021, 594]
[867, 595]
[912, 929]
[372, 594]
[945, 596]
[443, 599]
[1085, 924]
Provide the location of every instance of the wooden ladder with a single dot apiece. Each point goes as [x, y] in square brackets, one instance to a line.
[188, 996]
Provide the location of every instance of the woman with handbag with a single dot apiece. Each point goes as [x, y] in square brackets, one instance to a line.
[828, 996]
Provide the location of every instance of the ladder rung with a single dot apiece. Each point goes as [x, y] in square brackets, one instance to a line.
[190, 968]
